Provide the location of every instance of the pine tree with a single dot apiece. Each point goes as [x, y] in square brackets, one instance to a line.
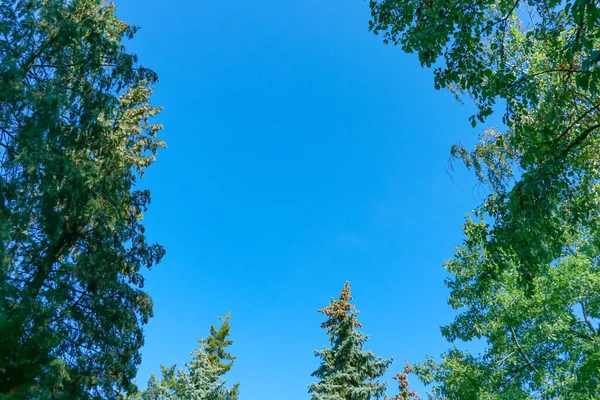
[347, 372]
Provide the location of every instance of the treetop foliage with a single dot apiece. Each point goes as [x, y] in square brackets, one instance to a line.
[347, 371]
[76, 133]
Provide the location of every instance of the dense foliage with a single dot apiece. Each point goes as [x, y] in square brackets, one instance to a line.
[347, 372]
[540, 345]
[540, 58]
[75, 134]
[526, 277]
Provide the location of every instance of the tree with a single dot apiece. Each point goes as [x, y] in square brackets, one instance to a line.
[525, 277]
[544, 345]
[347, 372]
[216, 348]
[201, 378]
[404, 393]
[75, 135]
[540, 58]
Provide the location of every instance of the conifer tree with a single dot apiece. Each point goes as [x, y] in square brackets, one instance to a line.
[202, 378]
[77, 132]
[165, 389]
[347, 372]
[404, 393]
[216, 349]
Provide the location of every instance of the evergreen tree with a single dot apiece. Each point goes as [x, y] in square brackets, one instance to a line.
[76, 134]
[202, 378]
[165, 389]
[404, 393]
[216, 349]
[347, 372]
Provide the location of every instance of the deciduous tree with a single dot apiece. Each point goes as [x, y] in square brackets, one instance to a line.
[525, 279]
[536, 62]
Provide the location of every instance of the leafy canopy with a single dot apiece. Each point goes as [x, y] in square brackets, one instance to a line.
[525, 278]
[540, 59]
[543, 344]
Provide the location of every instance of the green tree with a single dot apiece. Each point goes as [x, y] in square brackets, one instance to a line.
[201, 378]
[347, 372]
[167, 388]
[539, 58]
[75, 135]
[540, 345]
[216, 348]
[525, 278]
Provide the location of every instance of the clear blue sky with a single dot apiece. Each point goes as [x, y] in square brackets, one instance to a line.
[302, 152]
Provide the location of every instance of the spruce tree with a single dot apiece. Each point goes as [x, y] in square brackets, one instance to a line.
[404, 392]
[199, 380]
[202, 378]
[215, 346]
[347, 372]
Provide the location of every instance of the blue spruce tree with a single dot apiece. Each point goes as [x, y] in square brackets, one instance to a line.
[347, 372]
[201, 378]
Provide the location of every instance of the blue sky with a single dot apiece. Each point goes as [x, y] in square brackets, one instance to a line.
[302, 152]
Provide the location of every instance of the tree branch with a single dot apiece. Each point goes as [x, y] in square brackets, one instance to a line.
[579, 139]
[521, 352]
[587, 318]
